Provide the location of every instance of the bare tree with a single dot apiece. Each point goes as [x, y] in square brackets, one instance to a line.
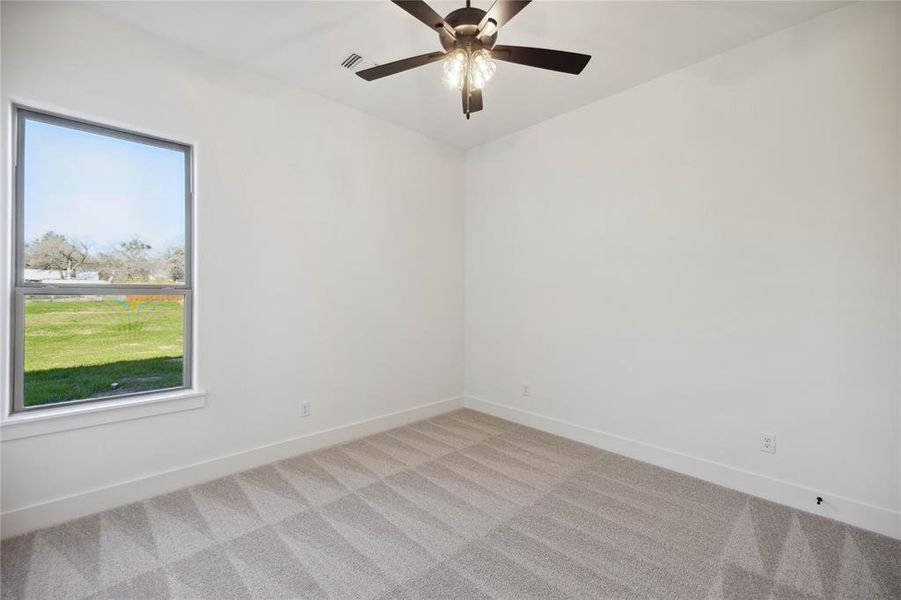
[128, 262]
[172, 263]
[55, 252]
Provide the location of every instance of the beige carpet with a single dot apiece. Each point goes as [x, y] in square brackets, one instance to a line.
[460, 506]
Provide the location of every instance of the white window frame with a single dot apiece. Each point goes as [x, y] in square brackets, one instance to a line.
[21, 288]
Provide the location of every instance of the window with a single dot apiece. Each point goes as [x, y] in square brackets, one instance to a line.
[103, 283]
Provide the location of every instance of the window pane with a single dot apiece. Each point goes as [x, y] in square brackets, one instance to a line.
[99, 208]
[79, 347]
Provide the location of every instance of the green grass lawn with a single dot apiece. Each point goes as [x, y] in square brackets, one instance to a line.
[87, 348]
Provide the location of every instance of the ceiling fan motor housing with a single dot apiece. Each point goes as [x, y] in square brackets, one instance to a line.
[465, 22]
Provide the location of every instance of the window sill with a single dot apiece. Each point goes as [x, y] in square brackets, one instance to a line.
[54, 420]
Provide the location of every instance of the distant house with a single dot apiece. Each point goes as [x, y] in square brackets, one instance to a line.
[53, 276]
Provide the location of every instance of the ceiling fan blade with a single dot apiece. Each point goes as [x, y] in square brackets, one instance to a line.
[426, 14]
[542, 58]
[399, 66]
[500, 12]
[475, 101]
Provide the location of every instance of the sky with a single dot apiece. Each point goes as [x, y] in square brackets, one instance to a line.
[101, 190]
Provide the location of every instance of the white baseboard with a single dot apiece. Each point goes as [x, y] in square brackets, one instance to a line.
[847, 510]
[45, 514]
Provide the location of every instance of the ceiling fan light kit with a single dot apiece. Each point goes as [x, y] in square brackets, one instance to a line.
[468, 36]
[477, 65]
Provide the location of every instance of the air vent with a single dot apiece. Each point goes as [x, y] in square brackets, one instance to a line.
[354, 62]
[351, 60]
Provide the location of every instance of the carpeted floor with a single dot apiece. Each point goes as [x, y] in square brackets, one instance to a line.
[460, 506]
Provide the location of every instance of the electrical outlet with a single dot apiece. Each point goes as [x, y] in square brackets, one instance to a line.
[768, 442]
[304, 409]
[526, 390]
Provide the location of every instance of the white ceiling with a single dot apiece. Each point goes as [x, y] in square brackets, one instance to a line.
[304, 43]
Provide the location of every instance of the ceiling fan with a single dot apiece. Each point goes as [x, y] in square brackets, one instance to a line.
[468, 36]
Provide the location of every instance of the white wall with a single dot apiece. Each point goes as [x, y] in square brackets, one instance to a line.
[369, 320]
[709, 255]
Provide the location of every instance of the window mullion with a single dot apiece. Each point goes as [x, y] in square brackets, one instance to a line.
[107, 290]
